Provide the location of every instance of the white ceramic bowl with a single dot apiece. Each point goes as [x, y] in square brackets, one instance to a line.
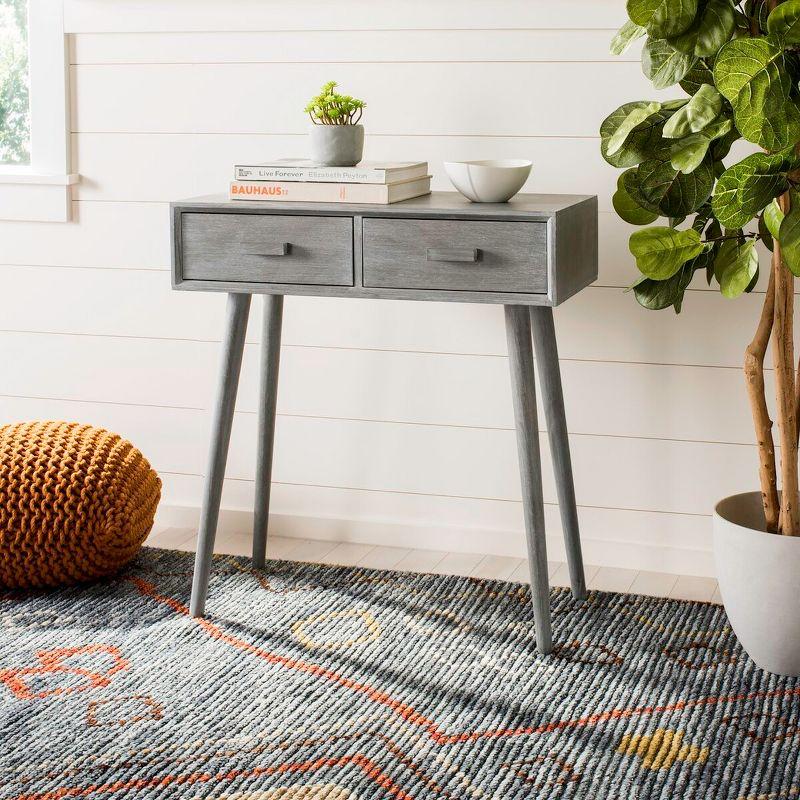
[488, 181]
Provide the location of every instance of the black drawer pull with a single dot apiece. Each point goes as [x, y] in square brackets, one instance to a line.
[281, 249]
[452, 253]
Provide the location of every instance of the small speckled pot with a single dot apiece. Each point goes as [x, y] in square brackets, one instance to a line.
[759, 580]
[336, 145]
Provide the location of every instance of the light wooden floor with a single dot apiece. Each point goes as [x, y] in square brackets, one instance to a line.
[612, 579]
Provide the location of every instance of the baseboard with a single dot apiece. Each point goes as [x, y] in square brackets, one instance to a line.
[603, 550]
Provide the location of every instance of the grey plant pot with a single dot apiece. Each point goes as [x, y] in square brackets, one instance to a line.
[759, 580]
[336, 145]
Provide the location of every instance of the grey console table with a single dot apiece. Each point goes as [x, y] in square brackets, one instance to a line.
[529, 255]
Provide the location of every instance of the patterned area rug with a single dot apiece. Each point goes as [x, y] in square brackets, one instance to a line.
[323, 683]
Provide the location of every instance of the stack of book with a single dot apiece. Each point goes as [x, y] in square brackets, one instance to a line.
[381, 182]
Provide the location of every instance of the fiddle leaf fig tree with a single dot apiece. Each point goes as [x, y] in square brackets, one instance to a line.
[738, 63]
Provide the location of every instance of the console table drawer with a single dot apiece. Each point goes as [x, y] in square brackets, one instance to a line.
[457, 255]
[263, 248]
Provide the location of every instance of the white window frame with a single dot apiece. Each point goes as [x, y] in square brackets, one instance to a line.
[41, 190]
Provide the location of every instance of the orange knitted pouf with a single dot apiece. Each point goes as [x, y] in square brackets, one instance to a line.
[76, 503]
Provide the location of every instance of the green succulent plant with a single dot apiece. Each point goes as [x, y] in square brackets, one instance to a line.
[330, 108]
[739, 65]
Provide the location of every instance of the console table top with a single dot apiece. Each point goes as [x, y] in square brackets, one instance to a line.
[441, 205]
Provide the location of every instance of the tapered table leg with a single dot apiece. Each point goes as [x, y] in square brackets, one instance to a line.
[222, 421]
[268, 396]
[544, 340]
[523, 387]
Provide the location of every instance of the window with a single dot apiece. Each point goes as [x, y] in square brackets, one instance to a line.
[15, 111]
[34, 132]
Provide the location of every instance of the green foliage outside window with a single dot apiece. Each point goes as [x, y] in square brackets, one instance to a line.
[14, 102]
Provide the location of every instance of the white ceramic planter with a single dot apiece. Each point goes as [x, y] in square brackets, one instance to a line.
[759, 580]
[336, 145]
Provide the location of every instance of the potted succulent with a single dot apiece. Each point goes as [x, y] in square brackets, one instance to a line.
[738, 64]
[337, 140]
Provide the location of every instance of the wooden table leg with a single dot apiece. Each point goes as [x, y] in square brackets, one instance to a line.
[222, 421]
[544, 340]
[523, 387]
[268, 397]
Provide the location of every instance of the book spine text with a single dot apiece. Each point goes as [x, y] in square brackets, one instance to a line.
[253, 173]
[308, 192]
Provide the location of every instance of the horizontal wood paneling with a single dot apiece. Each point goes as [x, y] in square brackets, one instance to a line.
[681, 477]
[460, 514]
[611, 537]
[412, 99]
[599, 324]
[100, 235]
[610, 399]
[244, 15]
[337, 47]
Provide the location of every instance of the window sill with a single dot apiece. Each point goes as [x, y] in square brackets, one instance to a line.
[29, 196]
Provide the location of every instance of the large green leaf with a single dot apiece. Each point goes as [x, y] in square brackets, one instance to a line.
[625, 36]
[629, 180]
[644, 141]
[660, 251]
[699, 75]
[628, 209]
[722, 146]
[688, 153]
[663, 18]
[634, 118]
[735, 266]
[742, 60]
[745, 188]
[789, 237]
[663, 64]
[751, 73]
[764, 235]
[657, 295]
[657, 186]
[784, 22]
[702, 217]
[712, 27]
[703, 108]
[773, 217]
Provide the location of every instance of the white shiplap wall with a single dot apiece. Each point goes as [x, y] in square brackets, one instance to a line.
[395, 419]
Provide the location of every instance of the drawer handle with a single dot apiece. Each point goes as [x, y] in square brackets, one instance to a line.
[281, 249]
[452, 253]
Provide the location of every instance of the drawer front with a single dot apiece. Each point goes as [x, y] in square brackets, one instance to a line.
[456, 255]
[263, 248]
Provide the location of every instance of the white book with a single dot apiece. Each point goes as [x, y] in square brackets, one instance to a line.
[300, 169]
[293, 191]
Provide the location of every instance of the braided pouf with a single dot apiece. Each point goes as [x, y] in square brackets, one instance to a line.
[76, 503]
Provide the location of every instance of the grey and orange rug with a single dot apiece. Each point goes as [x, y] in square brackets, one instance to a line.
[324, 683]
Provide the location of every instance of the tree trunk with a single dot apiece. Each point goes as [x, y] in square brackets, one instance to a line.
[797, 400]
[783, 360]
[754, 378]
